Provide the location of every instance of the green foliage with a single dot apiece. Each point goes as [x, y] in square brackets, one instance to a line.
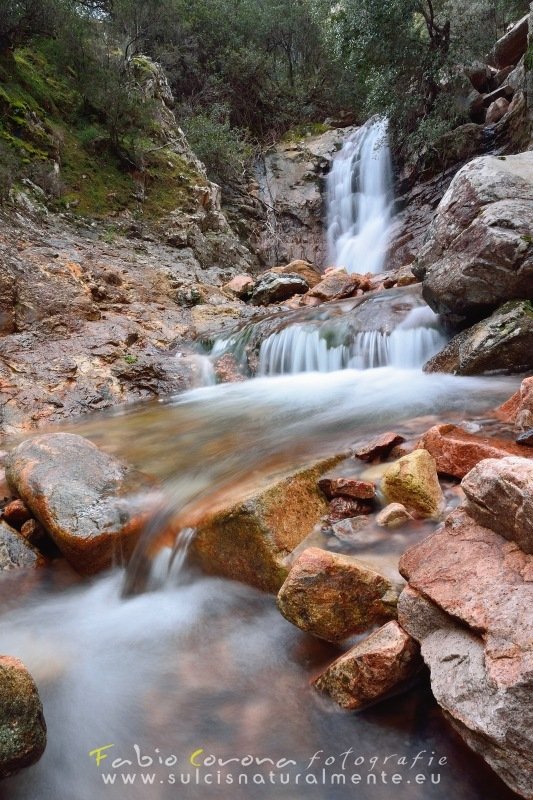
[10, 170]
[223, 149]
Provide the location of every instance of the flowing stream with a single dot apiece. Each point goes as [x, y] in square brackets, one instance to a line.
[195, 687]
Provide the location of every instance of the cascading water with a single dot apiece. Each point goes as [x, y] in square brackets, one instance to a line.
[360, 200]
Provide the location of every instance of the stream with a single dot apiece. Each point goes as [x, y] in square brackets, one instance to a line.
[187, 686]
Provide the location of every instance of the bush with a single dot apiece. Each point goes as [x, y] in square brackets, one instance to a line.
[10, 170]
[223, 149]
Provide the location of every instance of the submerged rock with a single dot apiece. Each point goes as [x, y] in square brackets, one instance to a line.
[15, 551]
[82, 496]
[456, 452]
[503, 342]
[479, 252]
[500, 497]
[334, 596]
[22, 725]
[393, 516]
[382, 664]
[413, 481]
[469, 605]
[250, 540]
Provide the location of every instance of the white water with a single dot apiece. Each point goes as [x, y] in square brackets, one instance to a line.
[360, 200]
[300, 348]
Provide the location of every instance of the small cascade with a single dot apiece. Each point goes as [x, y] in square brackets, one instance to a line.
[326, 348]
[360, 200]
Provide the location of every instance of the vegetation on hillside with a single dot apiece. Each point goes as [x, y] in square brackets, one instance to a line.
[242, 72]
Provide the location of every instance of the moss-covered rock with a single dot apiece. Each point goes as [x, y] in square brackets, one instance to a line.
[250, 540]
[22, 725]
[413, 481]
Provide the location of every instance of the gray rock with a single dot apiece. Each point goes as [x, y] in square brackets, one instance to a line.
[479, 251]
[274, 288]
[15, 551]
[503, 342]
[500, 497]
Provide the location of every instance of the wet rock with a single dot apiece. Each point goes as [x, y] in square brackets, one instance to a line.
[273, 288]
[497, 110]
[240, 286]
[340, 486]
[503, 342]
[335, 286]
[304, 269]
[500, 497]
[227, 370]
[519, 408]
[395, 515]
[355, 530]
[16, 514]
[526, 438]
[250, 540]
[83, 497]
[15, 551]
[344, 507]
[334, 596]
[377, 447]
[22, 725]
[511, 47]
[468, 604]
[382, 664]
[413, 481]
[456, 452]
[478, 252]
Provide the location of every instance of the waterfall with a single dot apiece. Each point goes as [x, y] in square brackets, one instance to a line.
[360, 200]
[302, 348]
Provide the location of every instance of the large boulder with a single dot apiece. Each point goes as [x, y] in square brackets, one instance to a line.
[500, 497]
[503, 342]
[22, 725]
[249, 540]
[83, 497]
[456, 451]
[334, 596]
[413, 481]
[511, 47]
[519, 408]
[479, 251]
[469, 605]
[380, 665]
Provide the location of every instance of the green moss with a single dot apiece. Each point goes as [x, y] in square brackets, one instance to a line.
[306, 129]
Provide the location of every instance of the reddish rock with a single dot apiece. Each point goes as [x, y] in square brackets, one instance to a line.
[519, 408]
[306, 271]
[500, 496]
[380, 665]
[335, 286]
[497, 110]
[22, 725]
[16, 514]
[334, 596]
[377, 447]
[343, 507]
[347, 487]
[469, 605]
[240, 286]
[483, 580]
[456, 452]
[227, 369]
[82, 497]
